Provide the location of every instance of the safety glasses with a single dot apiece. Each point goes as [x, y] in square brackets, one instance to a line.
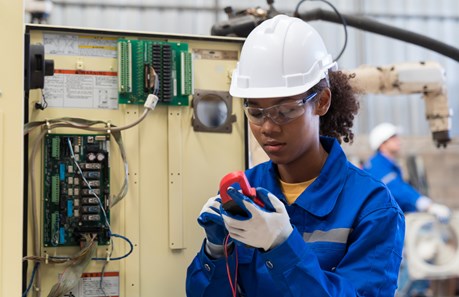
[280, 114]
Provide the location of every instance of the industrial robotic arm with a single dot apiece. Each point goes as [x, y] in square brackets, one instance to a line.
[426, 78]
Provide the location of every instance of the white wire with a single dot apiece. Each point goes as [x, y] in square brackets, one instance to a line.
[67, 122]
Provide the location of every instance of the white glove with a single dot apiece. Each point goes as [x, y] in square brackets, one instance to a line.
[423, 203]
[265, 227]
[440, 211]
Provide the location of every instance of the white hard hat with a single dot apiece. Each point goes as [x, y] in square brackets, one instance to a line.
[381, 133]
[283, 56]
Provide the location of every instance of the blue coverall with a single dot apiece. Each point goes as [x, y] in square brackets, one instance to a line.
[389, 173]
[347, 240]
[384, 169]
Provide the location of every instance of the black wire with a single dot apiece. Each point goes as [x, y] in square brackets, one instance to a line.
[131, 249]
[43, 104]
[343, 21]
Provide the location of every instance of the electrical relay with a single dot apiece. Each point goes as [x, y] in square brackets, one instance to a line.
[76, 188]
[154, 67]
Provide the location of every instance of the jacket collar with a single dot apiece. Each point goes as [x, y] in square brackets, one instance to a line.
[321, 196]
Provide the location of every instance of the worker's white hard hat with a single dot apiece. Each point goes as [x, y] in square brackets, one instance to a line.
[283, 56]
[381, 133]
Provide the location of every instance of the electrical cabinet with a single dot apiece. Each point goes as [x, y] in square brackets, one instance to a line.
[172, 169]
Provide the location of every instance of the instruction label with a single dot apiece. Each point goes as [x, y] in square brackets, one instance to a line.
[80, 45]
[209, 54]
[89, 285]
[81, 89]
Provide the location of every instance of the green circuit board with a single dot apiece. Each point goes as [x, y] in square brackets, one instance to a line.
[147, 66]
[72, 199]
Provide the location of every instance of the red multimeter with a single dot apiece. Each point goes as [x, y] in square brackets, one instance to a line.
[228, 204]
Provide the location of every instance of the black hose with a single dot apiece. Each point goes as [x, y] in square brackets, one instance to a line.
[373, 26]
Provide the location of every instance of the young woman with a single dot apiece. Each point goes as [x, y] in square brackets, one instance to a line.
[326, 227]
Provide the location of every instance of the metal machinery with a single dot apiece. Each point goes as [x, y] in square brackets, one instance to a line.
[432, 251]
[114, 174]
[422, 77]
[425, 78]
[432, 247]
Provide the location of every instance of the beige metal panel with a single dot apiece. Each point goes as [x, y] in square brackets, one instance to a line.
[206, 157]
[11, 146]
[175, 174]
[131, 220]
[154, 212]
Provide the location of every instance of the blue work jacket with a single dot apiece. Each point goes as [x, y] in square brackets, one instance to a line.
[347, 240]
[389, 173]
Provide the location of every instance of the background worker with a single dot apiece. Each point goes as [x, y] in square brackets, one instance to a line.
[385, 141]
[326, 228]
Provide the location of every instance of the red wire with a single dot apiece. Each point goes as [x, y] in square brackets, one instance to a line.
[228, 272]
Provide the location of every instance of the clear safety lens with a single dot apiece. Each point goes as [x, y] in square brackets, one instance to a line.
[280, 114]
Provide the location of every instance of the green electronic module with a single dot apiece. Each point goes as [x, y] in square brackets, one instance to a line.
[154, 67]
[76, 188]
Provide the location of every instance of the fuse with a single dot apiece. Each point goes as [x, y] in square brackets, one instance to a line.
[89, 200]
[91, 166]
[91, 218]
[90, 192]
[93, 183]
[91, 174]
[90, 209]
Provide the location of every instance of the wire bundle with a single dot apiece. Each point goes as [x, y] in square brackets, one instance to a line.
[78, 262]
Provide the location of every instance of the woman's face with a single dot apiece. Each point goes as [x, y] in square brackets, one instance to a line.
[289, 142]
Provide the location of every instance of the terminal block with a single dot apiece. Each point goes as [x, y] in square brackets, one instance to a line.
[154, 67]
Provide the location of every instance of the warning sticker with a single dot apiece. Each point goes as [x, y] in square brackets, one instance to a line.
[81, 89]
[90, 286]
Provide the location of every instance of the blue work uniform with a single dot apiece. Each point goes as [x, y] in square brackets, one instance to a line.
[347, 240]
[385, 170]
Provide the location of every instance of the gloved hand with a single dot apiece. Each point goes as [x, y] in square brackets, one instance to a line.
[212, 222]
[264, 228]
[440, 211]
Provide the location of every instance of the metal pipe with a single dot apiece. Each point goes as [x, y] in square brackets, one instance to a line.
[440, 18]
[373, 26]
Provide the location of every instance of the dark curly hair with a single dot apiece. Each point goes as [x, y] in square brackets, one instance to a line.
[338, 121]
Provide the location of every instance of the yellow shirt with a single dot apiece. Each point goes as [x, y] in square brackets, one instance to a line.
[292, 191]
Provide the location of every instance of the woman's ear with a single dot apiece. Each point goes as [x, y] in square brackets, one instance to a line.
[323, 103]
